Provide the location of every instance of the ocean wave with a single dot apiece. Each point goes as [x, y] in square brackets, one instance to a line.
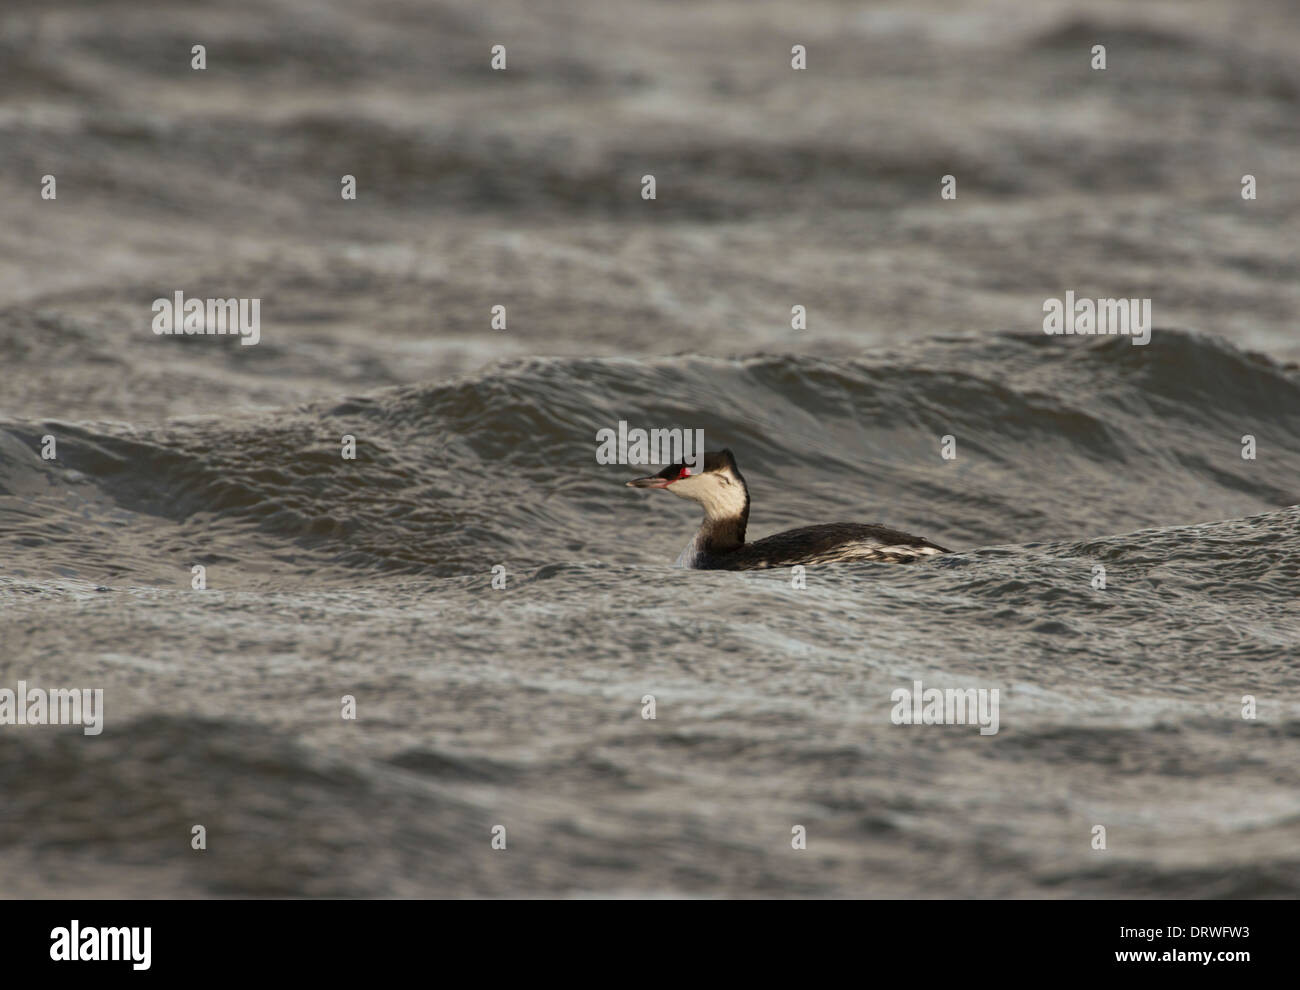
[1055, 440]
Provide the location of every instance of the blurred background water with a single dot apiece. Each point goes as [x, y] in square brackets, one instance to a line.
[522, 707]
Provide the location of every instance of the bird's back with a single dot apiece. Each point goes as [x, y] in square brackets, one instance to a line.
[824, 544]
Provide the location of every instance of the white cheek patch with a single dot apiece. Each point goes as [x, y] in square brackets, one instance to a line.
[720, 499]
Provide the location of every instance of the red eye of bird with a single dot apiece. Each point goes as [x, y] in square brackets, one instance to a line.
[684, 473]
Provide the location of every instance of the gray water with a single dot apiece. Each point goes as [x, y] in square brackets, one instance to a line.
[522, 707]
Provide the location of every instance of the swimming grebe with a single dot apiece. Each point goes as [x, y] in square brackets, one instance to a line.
[720, 543]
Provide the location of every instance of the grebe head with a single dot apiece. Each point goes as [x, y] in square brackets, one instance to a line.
[719, 487]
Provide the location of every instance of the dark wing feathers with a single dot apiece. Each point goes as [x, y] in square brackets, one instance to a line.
[824, 544]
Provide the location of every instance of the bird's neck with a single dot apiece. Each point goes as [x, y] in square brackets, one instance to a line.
[724, 523]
